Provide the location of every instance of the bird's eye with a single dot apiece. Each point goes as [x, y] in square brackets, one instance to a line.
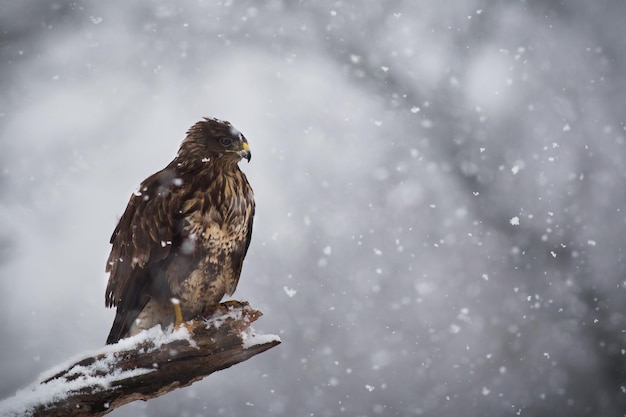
[226, 142]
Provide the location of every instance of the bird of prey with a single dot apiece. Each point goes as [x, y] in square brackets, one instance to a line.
[180, 244]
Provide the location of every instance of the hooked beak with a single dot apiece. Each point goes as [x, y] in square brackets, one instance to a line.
[245, 152]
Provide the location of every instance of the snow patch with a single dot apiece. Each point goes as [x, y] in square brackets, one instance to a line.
[250, 339]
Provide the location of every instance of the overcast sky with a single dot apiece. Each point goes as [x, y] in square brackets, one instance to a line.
[440, 194]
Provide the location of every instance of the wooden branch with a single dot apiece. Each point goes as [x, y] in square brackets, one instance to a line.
[144, 366]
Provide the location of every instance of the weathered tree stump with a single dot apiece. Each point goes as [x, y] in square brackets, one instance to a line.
[144, 366]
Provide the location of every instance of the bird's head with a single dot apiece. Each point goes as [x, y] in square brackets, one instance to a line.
[213, 140]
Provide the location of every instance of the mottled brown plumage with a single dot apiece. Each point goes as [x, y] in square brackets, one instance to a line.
[184, 233]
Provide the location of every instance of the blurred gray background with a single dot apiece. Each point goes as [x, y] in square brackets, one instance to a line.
[440, 193]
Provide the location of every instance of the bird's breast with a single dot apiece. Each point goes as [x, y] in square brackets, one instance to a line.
[217, 220]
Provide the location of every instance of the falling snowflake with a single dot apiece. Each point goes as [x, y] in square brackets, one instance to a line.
[289, 291]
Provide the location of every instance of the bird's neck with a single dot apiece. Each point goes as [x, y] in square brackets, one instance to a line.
[216, 164]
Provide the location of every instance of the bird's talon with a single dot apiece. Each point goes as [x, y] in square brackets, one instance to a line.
[188, 325]
[227, 305]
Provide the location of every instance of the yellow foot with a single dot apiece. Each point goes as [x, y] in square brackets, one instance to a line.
[186, 324]
[179, 318]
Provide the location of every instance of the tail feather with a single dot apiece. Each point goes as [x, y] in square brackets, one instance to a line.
[128, 309]
[120, 328]
[124, 319]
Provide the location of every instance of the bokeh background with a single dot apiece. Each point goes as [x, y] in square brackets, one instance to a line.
[440, 193]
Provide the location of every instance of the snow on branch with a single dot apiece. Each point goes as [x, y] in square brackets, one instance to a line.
[144, 366]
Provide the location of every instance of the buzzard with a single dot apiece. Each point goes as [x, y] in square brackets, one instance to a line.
[180, 244]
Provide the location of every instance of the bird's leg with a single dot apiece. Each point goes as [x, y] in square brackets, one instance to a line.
[179, 317]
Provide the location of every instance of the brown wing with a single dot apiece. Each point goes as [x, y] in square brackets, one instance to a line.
[146, 240]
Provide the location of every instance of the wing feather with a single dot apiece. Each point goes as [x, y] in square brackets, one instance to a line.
[137, 237]
[143, 239]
